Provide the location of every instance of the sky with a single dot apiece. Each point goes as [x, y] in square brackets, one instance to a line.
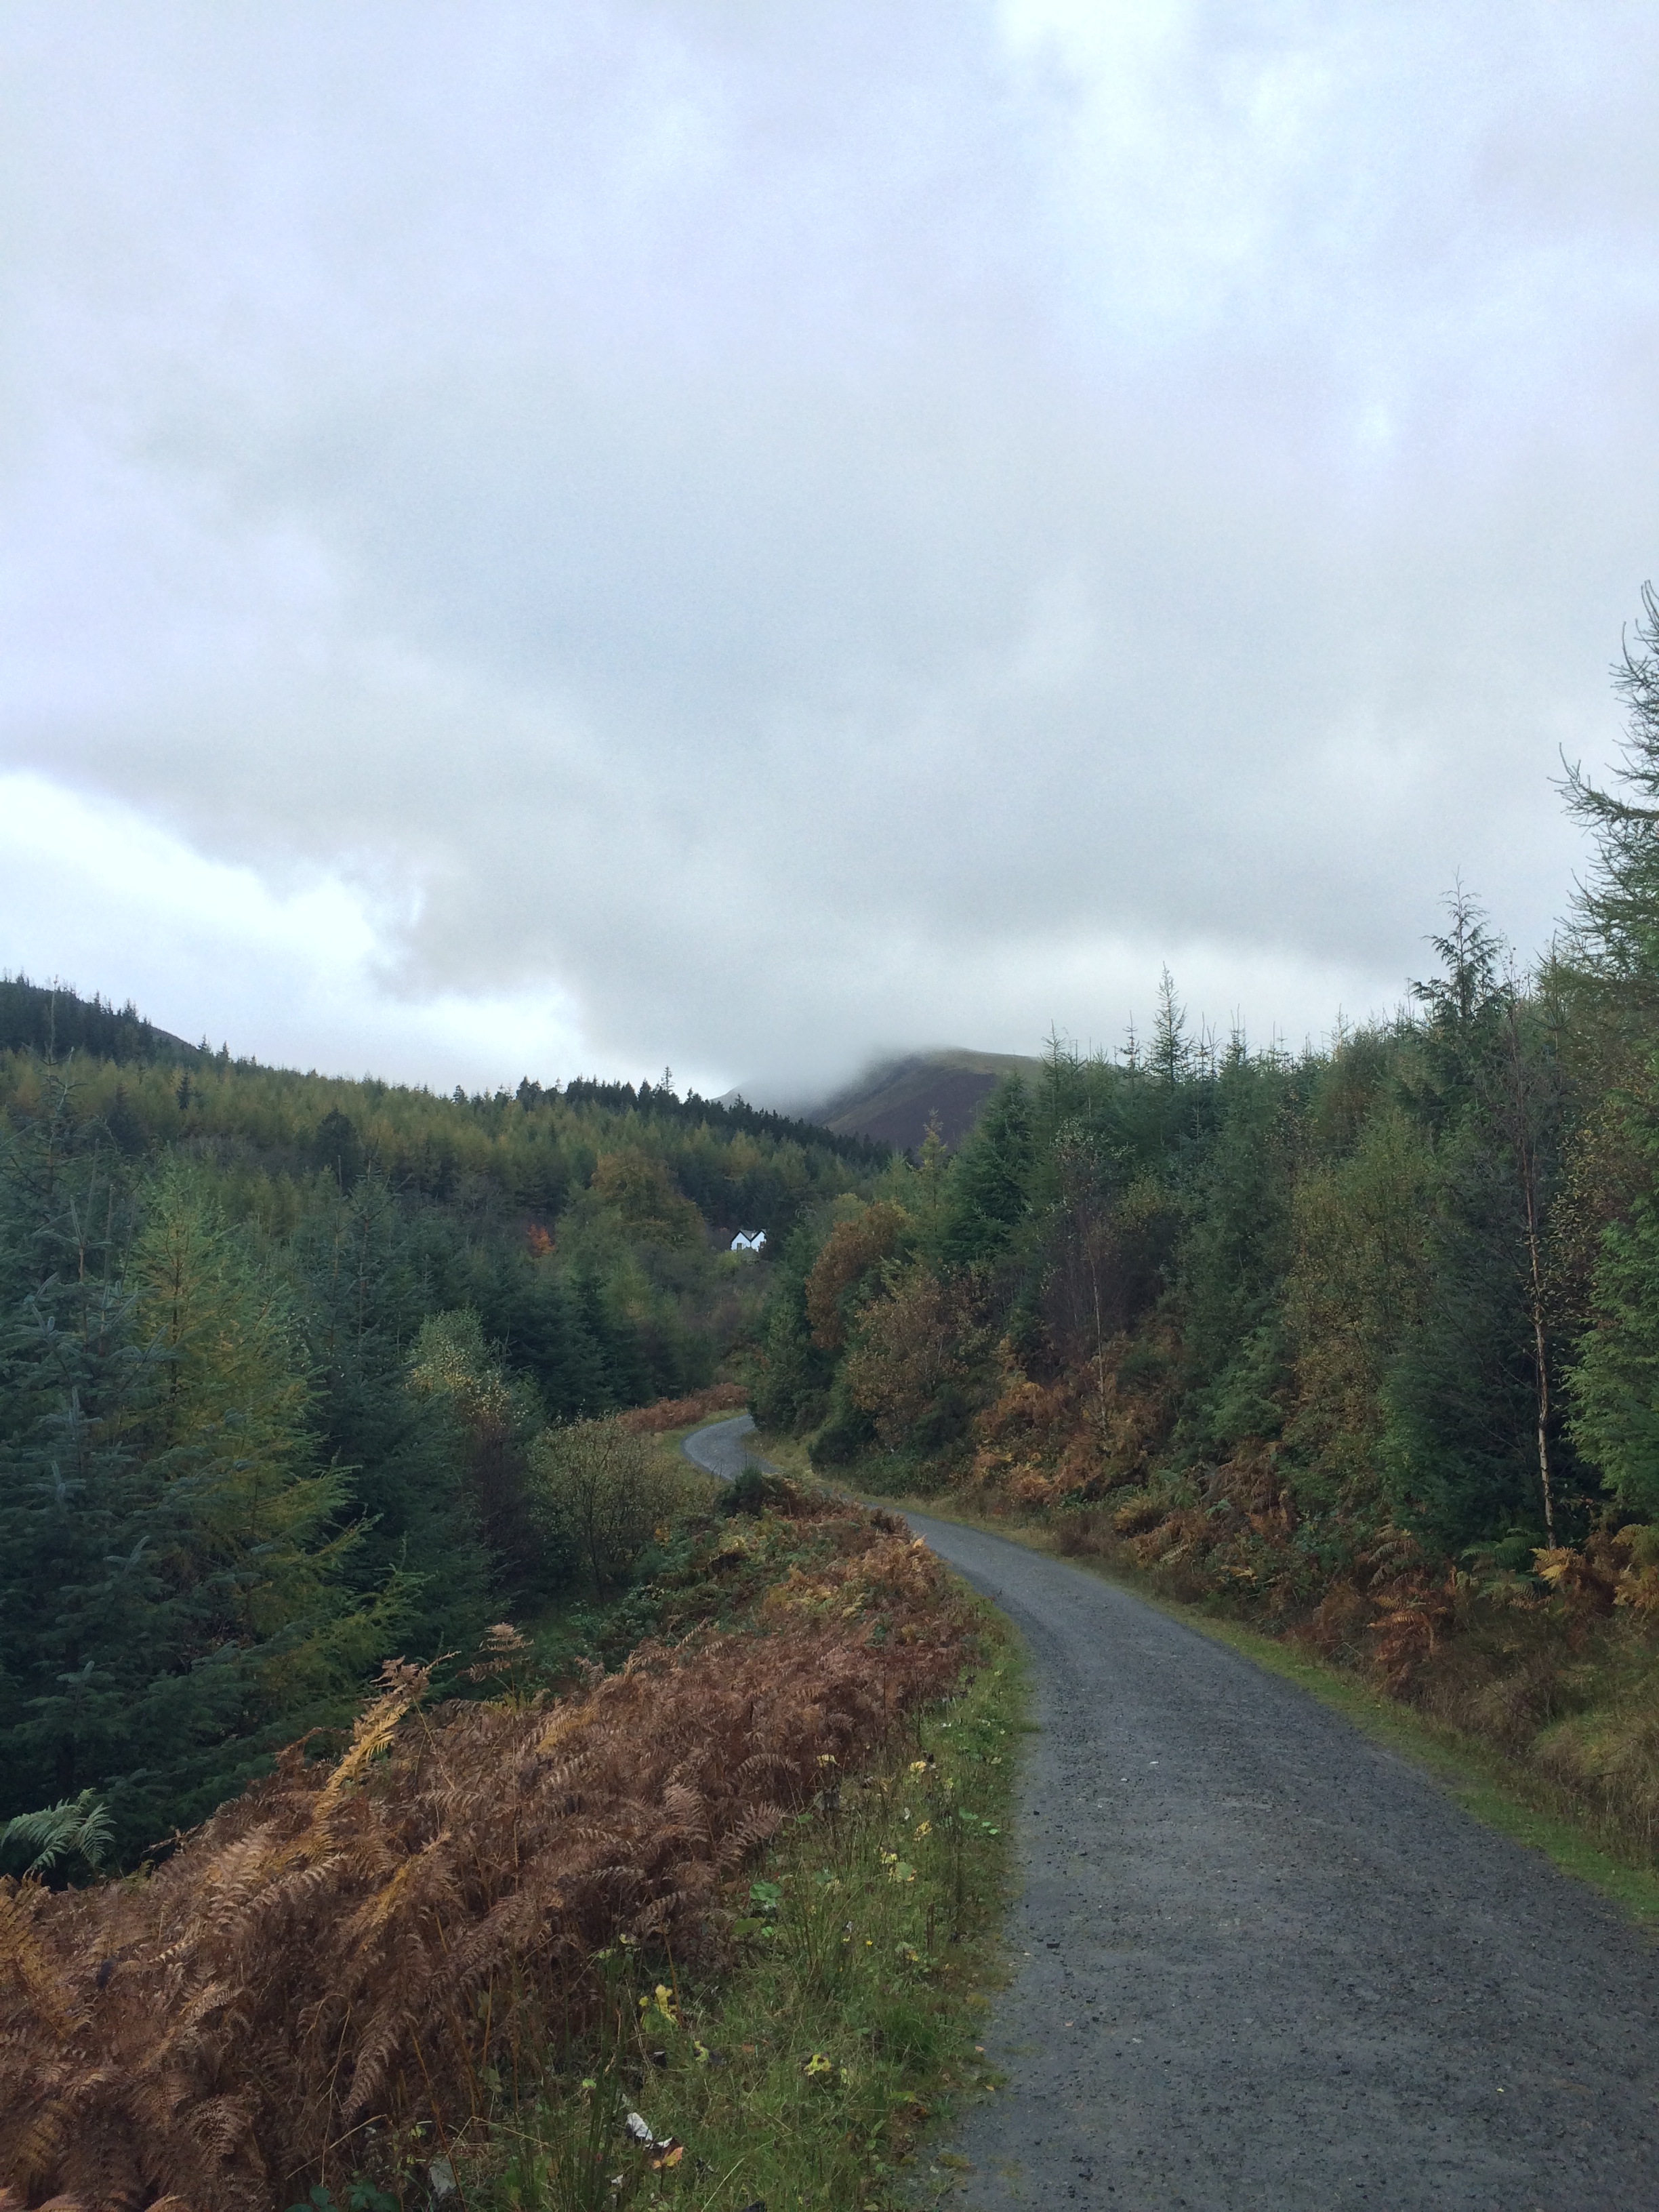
[555, 537]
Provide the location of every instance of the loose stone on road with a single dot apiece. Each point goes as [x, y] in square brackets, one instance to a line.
[1263, 1963]
[1266, 1965]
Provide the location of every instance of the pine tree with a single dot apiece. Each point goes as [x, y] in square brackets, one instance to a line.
[362, 1280]
[1614, 950]
[791, 1393]
[168, 1565]
[454, 1367]
[1473, 1426]
[988, 1195]
[1169, 1057]
[1614, 1389]
[1234, 1258]
[1615, 939]
[76, 1585]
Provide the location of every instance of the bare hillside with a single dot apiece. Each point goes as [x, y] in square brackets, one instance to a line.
[894, 1100]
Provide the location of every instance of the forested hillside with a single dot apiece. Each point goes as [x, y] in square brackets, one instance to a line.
[48, 1018]
[1368, 1337]
[277, 1355]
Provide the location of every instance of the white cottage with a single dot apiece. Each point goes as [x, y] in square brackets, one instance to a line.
[749, 1240]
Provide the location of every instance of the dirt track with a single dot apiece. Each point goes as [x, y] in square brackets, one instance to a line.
[1264, 1964]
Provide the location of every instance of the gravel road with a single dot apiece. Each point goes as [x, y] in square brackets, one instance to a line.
[1263, 1963]
[724, 1449]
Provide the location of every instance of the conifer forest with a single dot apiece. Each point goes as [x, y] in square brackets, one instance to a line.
[275, 1356]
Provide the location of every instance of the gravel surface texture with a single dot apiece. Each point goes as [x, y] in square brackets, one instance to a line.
[1261, 1962]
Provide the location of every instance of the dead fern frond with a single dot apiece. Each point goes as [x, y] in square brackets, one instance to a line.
[312, 1959]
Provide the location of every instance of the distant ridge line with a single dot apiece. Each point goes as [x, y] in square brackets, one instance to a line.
[893, 1101]
[54, 1020]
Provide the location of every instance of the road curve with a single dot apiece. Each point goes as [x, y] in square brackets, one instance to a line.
[722, 1449]
[1263, 1963]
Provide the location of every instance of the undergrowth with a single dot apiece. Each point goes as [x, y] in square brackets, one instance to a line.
[801, 2076]
[359, 1969]
[713, 1567]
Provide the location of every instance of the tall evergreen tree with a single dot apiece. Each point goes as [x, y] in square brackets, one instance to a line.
[77, 1624]
[1471, 1418]
[1234, 1258]
[1615, 950]
[791, 1391]
[171, 1601]
[987, 1194]
[363, 1280]
[454, 1367]
[1615, 939]
[1614, 1389]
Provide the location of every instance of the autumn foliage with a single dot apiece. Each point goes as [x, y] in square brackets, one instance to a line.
[402, 1934]
[681, 1413]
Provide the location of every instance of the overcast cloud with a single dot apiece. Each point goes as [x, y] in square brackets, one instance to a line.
[586, 536]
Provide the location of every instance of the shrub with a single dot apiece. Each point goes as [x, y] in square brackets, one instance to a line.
[602, 1493]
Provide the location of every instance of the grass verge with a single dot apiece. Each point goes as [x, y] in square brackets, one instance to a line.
[800, 2078]
[1501, 1792]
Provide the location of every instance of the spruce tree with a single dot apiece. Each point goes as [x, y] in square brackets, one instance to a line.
[1614, 948]
[1614, 1389]
[78, 1582]
[454, 1368]
[361, 1279]
[1615, 938]
[987, 1192]
[170, 1598]
[1473, 1429]
[1233, 1260]
[791, 1394]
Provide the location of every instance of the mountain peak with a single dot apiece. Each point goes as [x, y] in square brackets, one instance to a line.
[893, 1100]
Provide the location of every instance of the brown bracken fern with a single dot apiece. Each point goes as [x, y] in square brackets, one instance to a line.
[348, 1949]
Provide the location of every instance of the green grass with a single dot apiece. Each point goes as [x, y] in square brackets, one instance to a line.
[1499, 1791]
[802, 2077]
